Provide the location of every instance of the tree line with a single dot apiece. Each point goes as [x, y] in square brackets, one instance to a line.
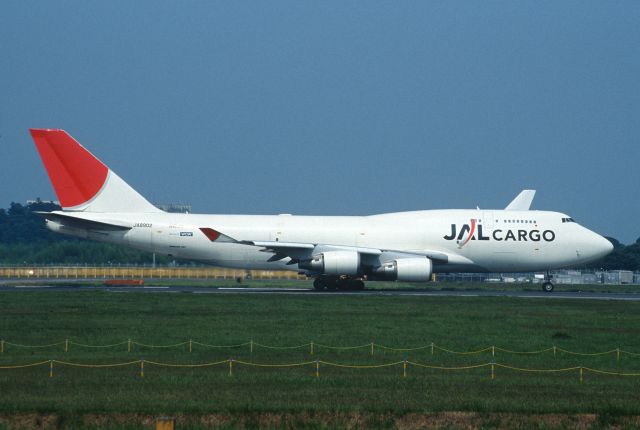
[24, 239]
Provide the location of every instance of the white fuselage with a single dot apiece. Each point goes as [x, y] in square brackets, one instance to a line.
[406, 246]
[502, 241]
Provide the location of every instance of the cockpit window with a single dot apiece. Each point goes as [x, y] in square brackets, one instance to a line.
[568, 220]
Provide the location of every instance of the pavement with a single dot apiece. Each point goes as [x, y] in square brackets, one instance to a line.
[557, 294]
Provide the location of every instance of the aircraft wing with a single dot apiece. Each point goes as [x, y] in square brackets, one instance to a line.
[298, 251]
[301, 251]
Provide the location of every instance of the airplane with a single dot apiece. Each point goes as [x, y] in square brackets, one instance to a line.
[339, 252]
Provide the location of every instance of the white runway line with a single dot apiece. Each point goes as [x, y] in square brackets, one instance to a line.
[262, 289]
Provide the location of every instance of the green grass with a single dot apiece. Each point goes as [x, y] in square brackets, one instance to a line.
[458, 323]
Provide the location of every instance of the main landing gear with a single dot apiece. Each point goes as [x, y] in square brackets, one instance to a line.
[333, 283]
[547, 285]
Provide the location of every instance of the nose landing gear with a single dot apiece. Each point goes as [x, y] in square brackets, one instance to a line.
[547, 285]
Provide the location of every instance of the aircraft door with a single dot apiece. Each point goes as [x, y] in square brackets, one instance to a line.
[488, 221]
[277, 232]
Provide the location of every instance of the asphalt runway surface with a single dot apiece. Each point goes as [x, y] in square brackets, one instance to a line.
[557, 294]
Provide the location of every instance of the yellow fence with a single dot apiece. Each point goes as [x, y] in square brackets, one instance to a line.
[313, 347]
[133, 272]
[231, 364]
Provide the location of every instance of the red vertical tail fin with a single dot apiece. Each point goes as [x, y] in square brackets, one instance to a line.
[81, 181]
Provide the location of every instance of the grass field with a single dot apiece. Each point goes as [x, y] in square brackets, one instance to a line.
[340, 397]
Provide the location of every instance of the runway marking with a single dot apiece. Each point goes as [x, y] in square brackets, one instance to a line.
[567, 295]
[262, 289]
[551, 296]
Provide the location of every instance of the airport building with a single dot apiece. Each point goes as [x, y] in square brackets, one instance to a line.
[564, 277]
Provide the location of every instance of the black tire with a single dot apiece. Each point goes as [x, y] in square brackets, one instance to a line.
[547, 287]
[330, 282]
[319, 284]
[342, 284]
[358, 285]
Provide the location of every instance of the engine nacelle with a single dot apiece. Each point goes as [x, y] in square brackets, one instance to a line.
[334, 263]
[406, 269]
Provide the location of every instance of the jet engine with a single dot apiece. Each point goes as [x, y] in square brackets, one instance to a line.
[334, 263]
[406, 269]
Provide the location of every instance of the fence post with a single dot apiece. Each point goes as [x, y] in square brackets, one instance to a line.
[2, 346]
[231, 367]
[251, 346]
[311, 347]
[142, 368]
[581, 375]
[617, 354]
[493, 373]
[66, 345]
[554, 350]
[50, 368]
[190, 347]
[372, 348]
[431, 348]
[404, 368]
[317, 368]
[493, 351]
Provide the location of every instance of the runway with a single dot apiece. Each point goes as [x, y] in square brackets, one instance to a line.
[558, 294]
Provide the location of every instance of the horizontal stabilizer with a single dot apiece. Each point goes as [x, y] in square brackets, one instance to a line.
[84, 223]
[522, 202]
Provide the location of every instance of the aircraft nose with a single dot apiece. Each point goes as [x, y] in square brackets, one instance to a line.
[600, 246]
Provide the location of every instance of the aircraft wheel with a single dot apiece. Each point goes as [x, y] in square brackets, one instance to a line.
[547, 287]
[319, 284]
[331, 283]
[358, 285]
[343, 284]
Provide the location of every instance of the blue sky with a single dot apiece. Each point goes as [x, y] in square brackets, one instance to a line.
[334, 107]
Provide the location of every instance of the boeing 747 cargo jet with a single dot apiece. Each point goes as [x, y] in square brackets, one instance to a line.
[338, 251]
